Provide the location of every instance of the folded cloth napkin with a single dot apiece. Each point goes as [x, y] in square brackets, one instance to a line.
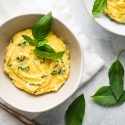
[12, 8]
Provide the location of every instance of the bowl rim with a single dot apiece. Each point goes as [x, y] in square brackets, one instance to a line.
[101, 24]
[81, 70]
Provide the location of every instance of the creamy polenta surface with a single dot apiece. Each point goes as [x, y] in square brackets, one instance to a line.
[116, 10]
[34, 74]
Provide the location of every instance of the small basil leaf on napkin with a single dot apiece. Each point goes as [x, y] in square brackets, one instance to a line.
[105, 97]
[48, 54]
[75, 113]
[30, 40]
[41, 43]
[116, 77]
[42, 28]
[98, 7]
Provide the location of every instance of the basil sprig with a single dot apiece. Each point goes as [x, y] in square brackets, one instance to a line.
[39, 31]
[98, 7]
[75, 113]
[113, 94]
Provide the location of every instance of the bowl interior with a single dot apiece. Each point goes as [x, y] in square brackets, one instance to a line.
[22, 100]
[104, 21]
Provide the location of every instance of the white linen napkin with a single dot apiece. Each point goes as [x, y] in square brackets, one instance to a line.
[12, 8]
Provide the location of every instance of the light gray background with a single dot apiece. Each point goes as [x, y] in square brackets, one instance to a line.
[107, 45]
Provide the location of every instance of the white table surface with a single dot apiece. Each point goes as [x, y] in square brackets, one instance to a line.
[107, 45]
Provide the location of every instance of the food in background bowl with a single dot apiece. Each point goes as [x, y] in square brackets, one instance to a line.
[115, 10]
[33, 72]
[27, 102]
[102, 19]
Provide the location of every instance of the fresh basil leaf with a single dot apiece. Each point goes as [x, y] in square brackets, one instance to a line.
[30, 40]
[104, 96]
[48, 54]
[116, 78]
[46, 48]
[42, 28]
[98, 7]
[41, 43]
[75, 113]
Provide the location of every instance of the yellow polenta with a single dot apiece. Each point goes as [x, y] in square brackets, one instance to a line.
[116, 10]
[31, 73]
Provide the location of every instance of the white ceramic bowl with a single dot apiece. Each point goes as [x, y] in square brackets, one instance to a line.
[27, 102]
[104, 21]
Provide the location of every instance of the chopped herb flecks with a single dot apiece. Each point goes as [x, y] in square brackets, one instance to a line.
[57, 62]
[61, 72]
[9, 65]
[24, 69]
[11, 40]
[35, 92]
[32, 84]
[21, 58]
[43, 76]
[54, 72]
[22, 44]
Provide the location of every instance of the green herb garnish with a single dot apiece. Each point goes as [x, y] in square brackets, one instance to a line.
[104, 96]
[116, 78]
[48, 54]
[40, 30]
[24, 69]
[75, 113]
[113, 94]
[31, 84]
[41, 43]
[9, 65]
[22, 44]
[98, 7]
[30, 40]
[21, 58]
[61, 72]
[54, 72]
[11, 40]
